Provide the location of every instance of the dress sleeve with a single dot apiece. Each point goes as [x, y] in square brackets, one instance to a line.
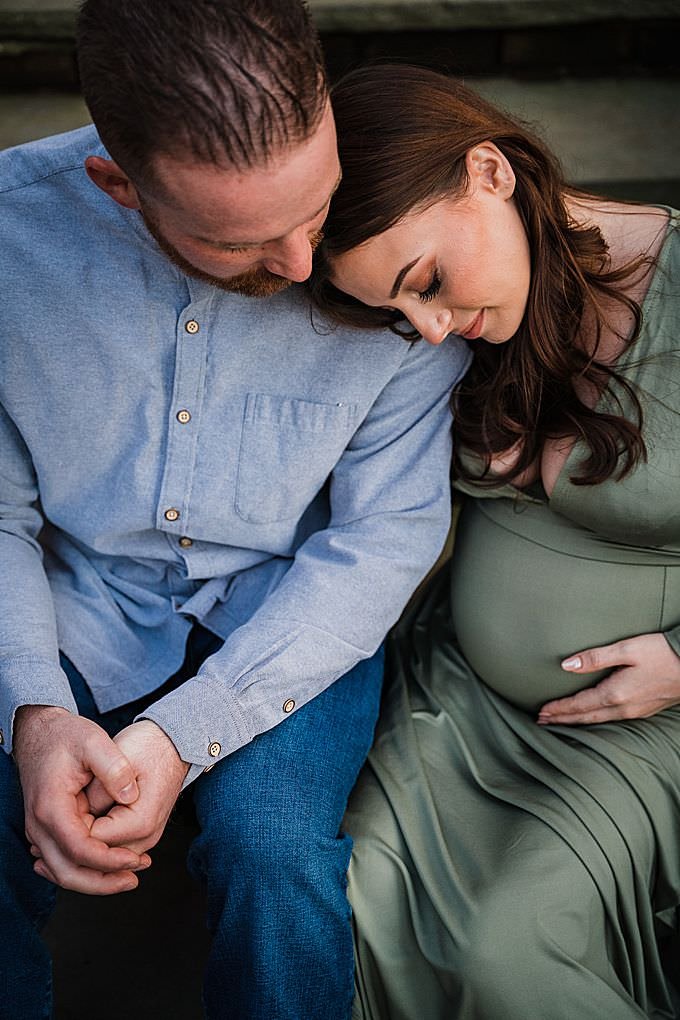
[673, 638]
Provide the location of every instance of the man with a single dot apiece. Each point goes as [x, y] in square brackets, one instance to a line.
[210, 511]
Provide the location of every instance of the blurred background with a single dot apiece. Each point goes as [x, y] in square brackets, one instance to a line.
[598, 79]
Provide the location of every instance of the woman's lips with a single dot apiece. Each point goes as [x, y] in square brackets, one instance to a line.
[475, 328]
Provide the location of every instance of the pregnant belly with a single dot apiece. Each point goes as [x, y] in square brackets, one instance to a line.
[519, 606]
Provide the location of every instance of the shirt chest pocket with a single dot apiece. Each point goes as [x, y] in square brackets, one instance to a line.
[288, 449]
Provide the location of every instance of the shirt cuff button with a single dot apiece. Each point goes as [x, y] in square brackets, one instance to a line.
[288, 706]
[214, 749]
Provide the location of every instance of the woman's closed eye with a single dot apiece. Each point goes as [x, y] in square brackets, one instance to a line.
[432, 289]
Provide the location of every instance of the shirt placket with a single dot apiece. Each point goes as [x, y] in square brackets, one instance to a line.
[174, 503]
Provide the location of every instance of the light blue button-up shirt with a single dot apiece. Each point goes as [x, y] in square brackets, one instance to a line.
[171, 452]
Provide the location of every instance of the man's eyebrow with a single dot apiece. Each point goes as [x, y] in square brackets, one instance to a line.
[400, 277]
[258, 244]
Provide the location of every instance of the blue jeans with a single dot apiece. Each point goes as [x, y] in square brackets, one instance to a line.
[270, 852]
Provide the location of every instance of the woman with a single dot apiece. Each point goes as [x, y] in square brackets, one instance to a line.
[517, 829]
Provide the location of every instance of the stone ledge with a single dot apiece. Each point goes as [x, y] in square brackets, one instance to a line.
[386, 15]
[55, 19]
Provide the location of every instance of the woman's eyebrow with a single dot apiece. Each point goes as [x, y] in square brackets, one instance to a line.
[399, 279]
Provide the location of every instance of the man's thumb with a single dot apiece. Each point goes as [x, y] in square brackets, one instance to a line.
[116, 774]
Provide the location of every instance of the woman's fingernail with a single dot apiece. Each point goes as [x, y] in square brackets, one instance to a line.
[573, 663]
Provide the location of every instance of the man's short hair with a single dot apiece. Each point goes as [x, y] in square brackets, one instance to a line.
[228, 82]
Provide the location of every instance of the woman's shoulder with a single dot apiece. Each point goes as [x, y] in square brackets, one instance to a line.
[629, 230]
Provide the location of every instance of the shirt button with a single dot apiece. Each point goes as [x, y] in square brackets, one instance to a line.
[183, 417]
[214, 749]
[192, 326]
[288, 706]
[185, 542]
[171, 514]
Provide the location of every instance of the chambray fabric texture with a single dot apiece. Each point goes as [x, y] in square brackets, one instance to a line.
[311, 476]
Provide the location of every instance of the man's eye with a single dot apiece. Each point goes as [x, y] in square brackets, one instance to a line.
[433, 288]
[228, 248]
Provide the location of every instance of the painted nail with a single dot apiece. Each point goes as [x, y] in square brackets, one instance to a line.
[573, 663]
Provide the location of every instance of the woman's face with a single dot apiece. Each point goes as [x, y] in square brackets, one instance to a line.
[460, 266]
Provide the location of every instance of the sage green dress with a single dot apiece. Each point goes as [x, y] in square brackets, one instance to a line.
[503, 870]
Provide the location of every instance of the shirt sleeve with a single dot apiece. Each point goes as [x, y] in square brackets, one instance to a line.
[390, 513]
[673, 638]
[30, 673]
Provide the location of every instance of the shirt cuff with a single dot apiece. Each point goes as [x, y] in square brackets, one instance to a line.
[194, 772]
[202, 736]
[30, 680]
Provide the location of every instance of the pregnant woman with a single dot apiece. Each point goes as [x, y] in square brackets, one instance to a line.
[517, 828]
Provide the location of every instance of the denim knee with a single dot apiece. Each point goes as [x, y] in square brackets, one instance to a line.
[19, 882]
[282, 798]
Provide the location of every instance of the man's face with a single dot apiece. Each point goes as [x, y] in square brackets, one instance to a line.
[253, 231]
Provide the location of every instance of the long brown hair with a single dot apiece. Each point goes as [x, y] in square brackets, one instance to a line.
[403, 133]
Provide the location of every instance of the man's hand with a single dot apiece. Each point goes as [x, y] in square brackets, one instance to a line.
[58, 754]
[645, 679]
[160, 773]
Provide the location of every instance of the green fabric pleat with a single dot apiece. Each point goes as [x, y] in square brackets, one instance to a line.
[502, 870]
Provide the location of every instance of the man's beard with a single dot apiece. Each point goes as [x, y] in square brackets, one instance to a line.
[257, 282]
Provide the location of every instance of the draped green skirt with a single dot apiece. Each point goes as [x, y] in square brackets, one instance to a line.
[503, 870]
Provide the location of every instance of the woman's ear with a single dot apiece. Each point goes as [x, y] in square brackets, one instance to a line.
[490, 169]
[108, 176]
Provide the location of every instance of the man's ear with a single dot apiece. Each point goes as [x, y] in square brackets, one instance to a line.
[108, 176]
[490, 169]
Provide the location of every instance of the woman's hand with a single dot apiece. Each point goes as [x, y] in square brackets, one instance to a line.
[645, 679]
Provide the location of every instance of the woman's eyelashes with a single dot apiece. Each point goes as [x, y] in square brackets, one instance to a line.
[432, 288]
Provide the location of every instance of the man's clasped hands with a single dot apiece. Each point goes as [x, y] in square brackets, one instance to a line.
[94, 805]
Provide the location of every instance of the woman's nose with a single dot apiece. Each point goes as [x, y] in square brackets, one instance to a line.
[434, 326]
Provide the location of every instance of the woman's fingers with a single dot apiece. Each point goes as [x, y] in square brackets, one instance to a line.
[644, 680]
[595, 704]
[621, 653]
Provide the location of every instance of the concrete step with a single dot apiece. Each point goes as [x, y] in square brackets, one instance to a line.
[55, 18]
[540, 38]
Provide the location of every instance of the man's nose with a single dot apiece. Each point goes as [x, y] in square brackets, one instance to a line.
[292, 256]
